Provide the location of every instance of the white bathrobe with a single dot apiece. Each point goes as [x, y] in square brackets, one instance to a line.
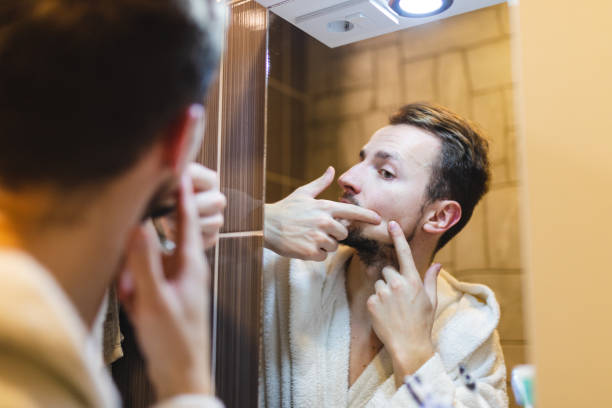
[306, 342]
[48, 358]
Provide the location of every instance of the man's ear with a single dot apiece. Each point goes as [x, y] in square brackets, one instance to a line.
[183, 137]
[442, 217]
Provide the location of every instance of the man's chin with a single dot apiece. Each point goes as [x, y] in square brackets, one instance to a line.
[370, 251]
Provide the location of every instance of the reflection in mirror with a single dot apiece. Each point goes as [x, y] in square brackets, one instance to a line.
[324, 105]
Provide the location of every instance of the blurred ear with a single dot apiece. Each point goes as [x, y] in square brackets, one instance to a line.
[442, 216]
[183, 138]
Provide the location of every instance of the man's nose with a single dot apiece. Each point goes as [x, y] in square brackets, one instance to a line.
[349, 181]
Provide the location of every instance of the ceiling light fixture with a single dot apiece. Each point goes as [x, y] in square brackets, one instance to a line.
[419, 8]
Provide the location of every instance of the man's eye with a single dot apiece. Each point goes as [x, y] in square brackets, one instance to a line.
[387, 175]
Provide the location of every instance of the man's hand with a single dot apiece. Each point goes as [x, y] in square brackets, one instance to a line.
[403, 309]
[167, 300]
[210, 203]
[300, 226]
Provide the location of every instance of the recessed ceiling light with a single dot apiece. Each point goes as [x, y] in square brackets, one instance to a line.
[419, 8]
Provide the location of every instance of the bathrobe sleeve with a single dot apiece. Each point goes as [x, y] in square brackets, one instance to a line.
[275, 367]
[485, 365]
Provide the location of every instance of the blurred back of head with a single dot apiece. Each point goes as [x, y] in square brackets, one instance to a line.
[87, 86]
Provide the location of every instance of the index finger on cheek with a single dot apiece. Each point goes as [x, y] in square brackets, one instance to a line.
[402, 249]
[391, 276]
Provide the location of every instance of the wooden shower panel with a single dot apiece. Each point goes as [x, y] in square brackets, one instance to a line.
[234, 145]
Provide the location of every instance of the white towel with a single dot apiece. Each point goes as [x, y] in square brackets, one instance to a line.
[306, 341]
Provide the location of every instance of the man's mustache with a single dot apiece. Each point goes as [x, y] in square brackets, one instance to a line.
[350, 198]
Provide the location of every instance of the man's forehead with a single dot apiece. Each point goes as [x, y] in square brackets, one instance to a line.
[406, 141]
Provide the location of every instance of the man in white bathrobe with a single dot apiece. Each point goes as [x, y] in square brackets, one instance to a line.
[100, 114]
[372, 322]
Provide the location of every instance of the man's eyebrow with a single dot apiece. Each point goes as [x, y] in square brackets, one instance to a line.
[382, 155]
[386, 156]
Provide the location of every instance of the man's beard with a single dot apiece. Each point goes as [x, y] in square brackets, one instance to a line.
[370, 251]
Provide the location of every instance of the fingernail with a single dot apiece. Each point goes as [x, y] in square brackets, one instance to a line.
[196, 110]
[329, 169]
[393, 227]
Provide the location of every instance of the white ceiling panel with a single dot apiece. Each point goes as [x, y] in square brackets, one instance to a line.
[361, 18]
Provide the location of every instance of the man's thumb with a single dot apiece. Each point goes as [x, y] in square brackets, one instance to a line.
[316, 187]
[430, 283]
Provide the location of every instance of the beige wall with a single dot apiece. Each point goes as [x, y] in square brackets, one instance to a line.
[566, 68]
[348, 92]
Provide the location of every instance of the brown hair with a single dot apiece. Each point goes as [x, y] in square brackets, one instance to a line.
[86, 87]
[462, 171]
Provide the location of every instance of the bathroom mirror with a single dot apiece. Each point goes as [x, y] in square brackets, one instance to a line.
[323, 104]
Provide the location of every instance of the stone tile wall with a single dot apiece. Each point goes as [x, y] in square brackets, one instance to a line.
[463, 63]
